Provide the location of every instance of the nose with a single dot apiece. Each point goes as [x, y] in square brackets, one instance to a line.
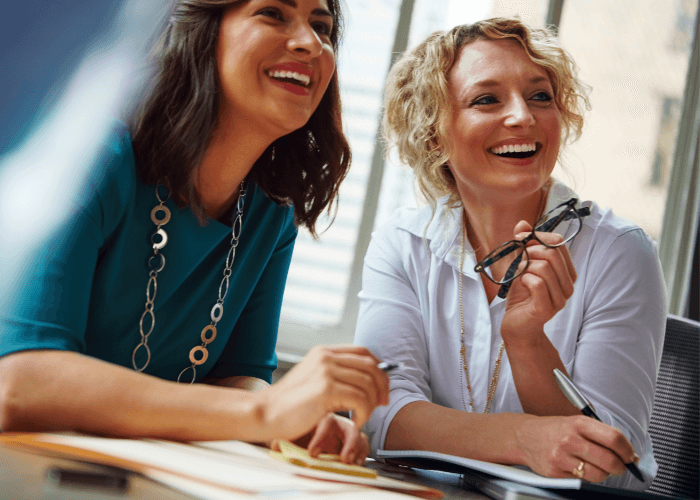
[518, 113]
[303, 40]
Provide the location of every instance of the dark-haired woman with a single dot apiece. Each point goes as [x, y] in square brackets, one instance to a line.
[172, 267]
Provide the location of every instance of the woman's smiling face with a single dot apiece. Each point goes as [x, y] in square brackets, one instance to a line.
[504, 129]
[274, 60]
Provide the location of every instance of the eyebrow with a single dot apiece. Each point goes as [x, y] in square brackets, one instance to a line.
[315, 12]
[496, 83]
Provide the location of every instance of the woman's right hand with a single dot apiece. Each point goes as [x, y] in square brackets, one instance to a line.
[328, 379]
[556, 446]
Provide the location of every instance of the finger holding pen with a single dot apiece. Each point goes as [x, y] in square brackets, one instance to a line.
[557, 446]
[622, 447]
[328, 379]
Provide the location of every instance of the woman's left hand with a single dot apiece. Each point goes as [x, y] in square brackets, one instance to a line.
[541, 291]
[338, 436]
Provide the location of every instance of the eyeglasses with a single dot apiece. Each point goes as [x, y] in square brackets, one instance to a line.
[546, 224]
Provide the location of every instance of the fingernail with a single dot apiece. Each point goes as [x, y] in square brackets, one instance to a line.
[635, 459]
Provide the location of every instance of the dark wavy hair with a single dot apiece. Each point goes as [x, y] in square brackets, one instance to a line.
[174, 125]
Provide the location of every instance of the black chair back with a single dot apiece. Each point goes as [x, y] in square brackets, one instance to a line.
[674, 424]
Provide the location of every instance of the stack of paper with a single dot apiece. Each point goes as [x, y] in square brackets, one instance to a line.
[216, 470]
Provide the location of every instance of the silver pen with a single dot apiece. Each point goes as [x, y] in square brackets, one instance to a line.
[579, 401]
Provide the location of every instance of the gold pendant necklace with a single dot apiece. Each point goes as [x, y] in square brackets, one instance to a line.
[463, 349]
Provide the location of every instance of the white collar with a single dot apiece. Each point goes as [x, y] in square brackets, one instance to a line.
[443, 234]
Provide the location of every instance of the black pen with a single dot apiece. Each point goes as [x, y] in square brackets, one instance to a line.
[387, 367]
[579, 401]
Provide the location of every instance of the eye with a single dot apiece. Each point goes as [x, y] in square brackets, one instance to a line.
[484, 100]
[322, 28]
[542, 96]
[272, 13]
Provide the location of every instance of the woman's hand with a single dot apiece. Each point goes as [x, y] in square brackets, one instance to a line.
[340, 435]
[335, 435]
[541, 291]
[329, 379]
[556, 446]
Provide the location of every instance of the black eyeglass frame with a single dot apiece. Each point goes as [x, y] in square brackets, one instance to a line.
[547, 226]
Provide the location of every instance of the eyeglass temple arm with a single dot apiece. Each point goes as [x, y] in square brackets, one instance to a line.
[503, 291]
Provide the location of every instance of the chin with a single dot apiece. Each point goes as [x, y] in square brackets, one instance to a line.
[524, 185]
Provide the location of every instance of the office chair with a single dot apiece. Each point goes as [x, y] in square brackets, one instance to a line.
[674, 424]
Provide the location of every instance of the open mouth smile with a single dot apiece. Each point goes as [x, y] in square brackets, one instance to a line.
[291, 77]
[517, 151]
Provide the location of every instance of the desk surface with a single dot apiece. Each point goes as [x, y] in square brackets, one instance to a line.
[23, 476]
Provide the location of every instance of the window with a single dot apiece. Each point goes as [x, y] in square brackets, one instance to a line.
[634, 54]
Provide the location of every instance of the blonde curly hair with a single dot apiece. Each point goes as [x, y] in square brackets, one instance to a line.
[417, 99]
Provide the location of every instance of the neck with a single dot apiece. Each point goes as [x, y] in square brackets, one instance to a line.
[490, 222]
[229, 158]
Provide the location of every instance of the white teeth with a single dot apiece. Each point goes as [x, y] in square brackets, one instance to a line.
[514, 148]
[304, 79]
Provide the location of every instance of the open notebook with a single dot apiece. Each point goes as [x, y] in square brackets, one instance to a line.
[480, 473]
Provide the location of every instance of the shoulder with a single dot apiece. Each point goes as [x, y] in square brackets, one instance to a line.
[101, 183]
[111, 182]
[270, 219]
[602, 229]
[416, 235]
[428, 223]
[617, 254]
[608, 232]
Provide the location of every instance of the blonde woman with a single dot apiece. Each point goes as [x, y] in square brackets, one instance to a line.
[478, 308]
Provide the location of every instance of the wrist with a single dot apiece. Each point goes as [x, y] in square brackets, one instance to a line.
[522, 437]
[262, 416]
[523, 342]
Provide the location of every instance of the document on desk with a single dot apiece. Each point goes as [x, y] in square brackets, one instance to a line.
[216, 470]
[450, 463]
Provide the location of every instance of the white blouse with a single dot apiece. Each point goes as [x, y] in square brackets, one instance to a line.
[609, 335]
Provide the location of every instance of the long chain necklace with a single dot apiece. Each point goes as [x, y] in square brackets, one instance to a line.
[156, 263]
[463, 350]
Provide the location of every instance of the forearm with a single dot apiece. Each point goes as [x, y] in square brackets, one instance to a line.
[427, 426]
[58, 390]
[532, 366]
[251, 384]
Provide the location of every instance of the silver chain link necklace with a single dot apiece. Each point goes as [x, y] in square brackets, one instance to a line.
[156, 263]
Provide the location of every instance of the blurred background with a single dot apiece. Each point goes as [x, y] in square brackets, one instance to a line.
[634, 54]
[70, 66]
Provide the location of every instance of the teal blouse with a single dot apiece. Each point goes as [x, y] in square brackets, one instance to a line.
[85, 290]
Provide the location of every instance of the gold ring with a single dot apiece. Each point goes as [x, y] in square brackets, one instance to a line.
[578, 471]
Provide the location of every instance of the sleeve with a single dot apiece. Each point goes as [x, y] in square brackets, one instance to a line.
[48, 275]
[250, 350]
[390, 324]
[620, 341]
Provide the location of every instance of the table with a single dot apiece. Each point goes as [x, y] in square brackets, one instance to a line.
[24, 476]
